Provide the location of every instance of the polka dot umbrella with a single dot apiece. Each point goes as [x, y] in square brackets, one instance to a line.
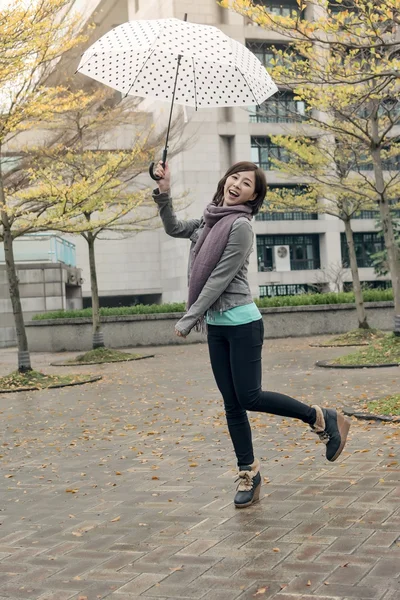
[176, 61]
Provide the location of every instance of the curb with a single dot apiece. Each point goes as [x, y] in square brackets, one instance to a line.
[336, 345]
[327, 365]
[349, 412]
[52, 387]
[85, 364]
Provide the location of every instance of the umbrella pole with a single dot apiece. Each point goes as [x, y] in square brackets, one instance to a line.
[165, 151]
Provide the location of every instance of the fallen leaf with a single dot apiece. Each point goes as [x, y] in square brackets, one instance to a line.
[275, 550]
[72, 491]
[193, 464]
[260, 591]
[309, 583]
[173, 569]
[116, 519]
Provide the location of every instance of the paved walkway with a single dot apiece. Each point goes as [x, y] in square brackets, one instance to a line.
[123, 489]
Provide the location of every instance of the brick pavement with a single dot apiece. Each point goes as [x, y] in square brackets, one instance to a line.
[123, 489]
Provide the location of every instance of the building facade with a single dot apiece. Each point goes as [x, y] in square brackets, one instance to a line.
[293, 251]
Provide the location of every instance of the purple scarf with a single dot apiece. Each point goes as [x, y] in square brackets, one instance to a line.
[211, 244]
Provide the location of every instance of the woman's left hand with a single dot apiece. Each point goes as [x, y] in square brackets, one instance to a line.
[179, 333]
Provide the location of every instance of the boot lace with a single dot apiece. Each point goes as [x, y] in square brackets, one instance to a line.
[323, 436]
[245, 479]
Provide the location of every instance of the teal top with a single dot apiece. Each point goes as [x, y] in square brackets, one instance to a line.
[240, 315]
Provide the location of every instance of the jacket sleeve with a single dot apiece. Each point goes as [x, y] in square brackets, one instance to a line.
[172, 225]
[238, 248]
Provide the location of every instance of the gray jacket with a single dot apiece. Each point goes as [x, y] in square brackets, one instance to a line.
[228, 281]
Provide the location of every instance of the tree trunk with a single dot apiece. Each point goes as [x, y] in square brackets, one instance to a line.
[98, 340]
[360, 308]
[24, 361]
[393, 250]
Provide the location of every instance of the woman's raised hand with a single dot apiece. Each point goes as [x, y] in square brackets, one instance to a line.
[164, 183]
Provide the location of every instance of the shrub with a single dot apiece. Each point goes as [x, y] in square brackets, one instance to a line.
[139, 309]
[329, 298]
[300, 300]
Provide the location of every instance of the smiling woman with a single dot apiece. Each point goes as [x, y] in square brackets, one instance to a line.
[220, 299]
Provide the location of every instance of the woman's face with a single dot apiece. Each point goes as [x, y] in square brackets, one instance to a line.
[239, 188]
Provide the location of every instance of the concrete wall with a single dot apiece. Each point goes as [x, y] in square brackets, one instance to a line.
[43, 287]
[158, 330]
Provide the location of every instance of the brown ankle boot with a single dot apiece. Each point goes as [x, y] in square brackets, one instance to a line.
[332, 428]
[248, 490]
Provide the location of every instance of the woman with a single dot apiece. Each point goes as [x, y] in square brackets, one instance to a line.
[219, 295]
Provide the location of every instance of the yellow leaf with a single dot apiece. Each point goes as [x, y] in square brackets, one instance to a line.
[116, 519]
[173, 569]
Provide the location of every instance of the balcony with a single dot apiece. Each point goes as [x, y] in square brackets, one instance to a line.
[35, 248]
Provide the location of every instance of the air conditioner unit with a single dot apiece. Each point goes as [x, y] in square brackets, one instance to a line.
[281, 258]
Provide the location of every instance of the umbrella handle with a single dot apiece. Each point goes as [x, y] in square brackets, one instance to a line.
[151, 168]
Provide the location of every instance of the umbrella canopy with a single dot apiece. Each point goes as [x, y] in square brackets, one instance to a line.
[169, 59]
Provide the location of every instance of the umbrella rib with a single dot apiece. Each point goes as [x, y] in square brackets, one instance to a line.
[247, 83]
[140, 70]
[195, 89]
[148, 58]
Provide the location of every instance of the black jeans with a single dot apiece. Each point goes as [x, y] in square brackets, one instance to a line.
[235, 354]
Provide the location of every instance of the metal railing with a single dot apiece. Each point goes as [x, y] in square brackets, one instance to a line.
[41, 247]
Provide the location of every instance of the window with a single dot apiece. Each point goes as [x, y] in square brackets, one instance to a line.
[335, 7]
[279, 108]
[366, 244]
[265, 52]
[372, 285]
[295, 215]
[366, 214]
[263, 150]
[373, 214]
[389, 164]
[283, 9]
[304, 251]
[269, 291]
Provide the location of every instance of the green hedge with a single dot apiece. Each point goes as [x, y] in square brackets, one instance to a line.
[330, 298]
[139, 309]
[146, 309]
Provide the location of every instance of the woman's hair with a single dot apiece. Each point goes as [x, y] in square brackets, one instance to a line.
[260, 185]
